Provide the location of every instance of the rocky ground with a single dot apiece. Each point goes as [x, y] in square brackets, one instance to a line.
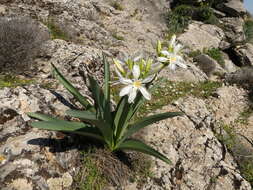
[36, 159]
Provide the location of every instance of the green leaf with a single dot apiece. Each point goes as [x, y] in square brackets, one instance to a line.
[70, 127]
[71, 88]
[148, 121]
[142, 147]
[107, 100]
[42, 117]
[85, 115]
[107, 78]
[121, 116]
[97, 95]
[91, 118]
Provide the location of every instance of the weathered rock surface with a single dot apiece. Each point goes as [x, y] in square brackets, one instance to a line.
[233, 28]
[243, 76]
[132, 26]
[191, 74]
[200, 36]
[199, 160]
[232, 8]
[208, 65]
[244, 55]
[32, 158]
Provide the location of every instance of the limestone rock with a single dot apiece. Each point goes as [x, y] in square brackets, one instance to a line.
[244, 54]
[196, 154]
[233, 28]
[233, 8]
[200, 36]
[208, 65]
[230, 103]
[191, 74]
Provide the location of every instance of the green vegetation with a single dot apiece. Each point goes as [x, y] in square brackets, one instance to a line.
[90, 177]
[170, 91]
[116, 5]
[216, 54]
[118, 37]
[55, 31]
[230, 139]
[112, 128]
[194, 53]
[244, 116]
[13, 81]
[248, 30]
[179, 18]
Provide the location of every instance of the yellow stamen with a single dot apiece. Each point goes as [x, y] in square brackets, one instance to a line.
[137, 83]
[172, 59]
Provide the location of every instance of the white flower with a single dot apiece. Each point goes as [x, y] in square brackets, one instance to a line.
[135, 84]
[173, 59]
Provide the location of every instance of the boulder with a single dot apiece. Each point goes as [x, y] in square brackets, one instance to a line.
[244, 54]
[191, 74]
[208, 65]
[233, 28]
[233, 8]
[243, 76]
[200, 36]
[198, 159]
[31, 158]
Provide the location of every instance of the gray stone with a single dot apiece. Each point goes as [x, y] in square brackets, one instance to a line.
[208, 65]
[200, 36]
[233, 8]
[244, 54]
[233, 28]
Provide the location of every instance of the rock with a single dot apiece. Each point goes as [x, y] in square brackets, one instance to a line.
[191, 74]
[197, 156]
[233, 8]
[243, 76]
[29, 157]
[229, 66]
[200, 36]
[230, 103]
[233, 28]
[94, 23]
[244, 54]
[208, 65]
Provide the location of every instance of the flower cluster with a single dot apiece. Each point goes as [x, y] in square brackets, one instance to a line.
[136, 73]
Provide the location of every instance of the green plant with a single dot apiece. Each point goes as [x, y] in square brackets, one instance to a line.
[178, 19]
[118, 37]
[248, 30]
[21, 39]
[216, 54]
[55, 31]
[92, 177]
[13, 81]
[116, 5]
[205, 14]
[112, 127]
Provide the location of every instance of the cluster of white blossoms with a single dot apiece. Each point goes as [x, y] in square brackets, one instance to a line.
[135, 74]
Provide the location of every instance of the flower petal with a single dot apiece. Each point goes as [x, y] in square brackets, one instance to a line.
[132, 95]
[162, 59]
[136, 71]
[125, 81]
[177, 48]
[172, 66]
[173, 40]
[164, 52]
[126, 90]
[148, 79]
[145, 93]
